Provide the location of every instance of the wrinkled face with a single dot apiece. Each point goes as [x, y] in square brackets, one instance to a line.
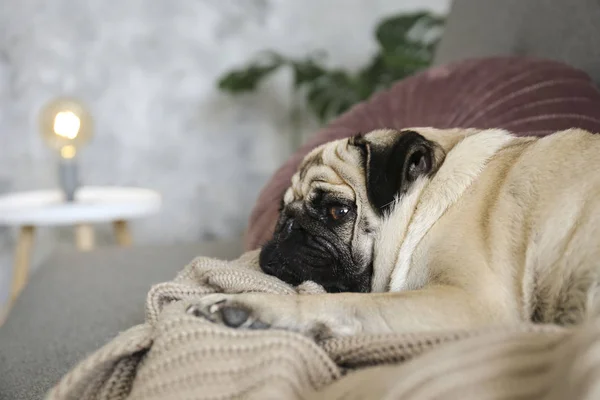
[330, 214]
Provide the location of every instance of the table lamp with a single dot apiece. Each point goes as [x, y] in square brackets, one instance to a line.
[66, 126]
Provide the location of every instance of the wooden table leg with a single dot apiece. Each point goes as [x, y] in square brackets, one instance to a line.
[122, 233]
[22, 260]
[84, 237]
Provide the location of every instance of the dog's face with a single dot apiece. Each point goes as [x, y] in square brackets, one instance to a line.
[329, 216]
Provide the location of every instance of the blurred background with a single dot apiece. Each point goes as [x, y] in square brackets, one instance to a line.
[148, 71]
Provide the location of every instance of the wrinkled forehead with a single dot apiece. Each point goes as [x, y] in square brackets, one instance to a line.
[332, 167]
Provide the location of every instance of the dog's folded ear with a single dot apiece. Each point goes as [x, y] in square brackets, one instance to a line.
[393, 163]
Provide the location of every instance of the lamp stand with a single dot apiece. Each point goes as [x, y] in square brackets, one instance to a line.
[68, 177]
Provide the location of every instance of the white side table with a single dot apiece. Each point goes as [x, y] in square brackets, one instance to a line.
[28, 210]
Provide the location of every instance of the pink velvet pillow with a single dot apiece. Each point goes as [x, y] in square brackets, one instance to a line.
[526, 96]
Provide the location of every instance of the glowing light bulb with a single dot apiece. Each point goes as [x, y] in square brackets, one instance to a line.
[66, 126]
[68, 152]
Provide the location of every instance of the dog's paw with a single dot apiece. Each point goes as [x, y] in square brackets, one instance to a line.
[229, 310]
[313, 315]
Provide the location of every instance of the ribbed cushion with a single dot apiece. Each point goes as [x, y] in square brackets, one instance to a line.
[526, 96]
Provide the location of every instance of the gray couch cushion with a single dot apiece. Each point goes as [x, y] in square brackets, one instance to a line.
[76, 302]
[567, 31]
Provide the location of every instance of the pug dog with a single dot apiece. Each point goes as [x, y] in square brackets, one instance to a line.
[426, 229]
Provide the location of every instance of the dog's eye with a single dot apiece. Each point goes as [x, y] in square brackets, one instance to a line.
[338, 212]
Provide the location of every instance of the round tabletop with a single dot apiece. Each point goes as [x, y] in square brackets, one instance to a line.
[91, 205]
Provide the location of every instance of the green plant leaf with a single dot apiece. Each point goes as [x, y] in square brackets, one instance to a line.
[376, 76]
[407, 60]
[307, 71]
[396, 32]
[406, 45]
[332, 94]
[248, 78]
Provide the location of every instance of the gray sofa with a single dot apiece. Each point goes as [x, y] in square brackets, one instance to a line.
[562, 30]
[78, 301]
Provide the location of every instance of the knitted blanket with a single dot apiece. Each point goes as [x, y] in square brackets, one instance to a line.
[176, 355]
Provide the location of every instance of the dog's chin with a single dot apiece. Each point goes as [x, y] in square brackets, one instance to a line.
[299, 266]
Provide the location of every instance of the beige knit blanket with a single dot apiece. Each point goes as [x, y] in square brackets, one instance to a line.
[175, 355]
